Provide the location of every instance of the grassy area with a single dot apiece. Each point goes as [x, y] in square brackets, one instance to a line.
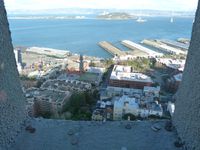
[174, 56]
[140, 64]
[88, 77]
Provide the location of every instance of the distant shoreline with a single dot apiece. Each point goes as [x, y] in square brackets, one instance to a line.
[88, 17]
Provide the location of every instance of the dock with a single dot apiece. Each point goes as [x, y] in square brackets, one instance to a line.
[176, 44]
[163, 47]
[134, 46]
[111, 48]
[183, 40]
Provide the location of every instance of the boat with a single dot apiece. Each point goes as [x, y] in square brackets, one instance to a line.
[140, 20]
[172, 20]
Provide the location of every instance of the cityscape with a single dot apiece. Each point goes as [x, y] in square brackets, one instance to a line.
[140, 82]
[52, 98]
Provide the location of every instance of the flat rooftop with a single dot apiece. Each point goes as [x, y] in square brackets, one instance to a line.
[124, 73]
[66, 85]
[54, 135]
[48, 95]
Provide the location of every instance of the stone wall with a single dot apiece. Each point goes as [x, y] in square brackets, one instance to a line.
[187, 113]
[12, 101]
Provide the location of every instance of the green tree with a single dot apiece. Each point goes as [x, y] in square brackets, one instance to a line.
[108, 63]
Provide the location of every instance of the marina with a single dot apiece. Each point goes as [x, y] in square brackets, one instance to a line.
[111, 49]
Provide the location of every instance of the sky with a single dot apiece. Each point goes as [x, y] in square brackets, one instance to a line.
[172, 5]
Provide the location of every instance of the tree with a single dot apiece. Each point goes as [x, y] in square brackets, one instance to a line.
[79, 105]
[109, 62]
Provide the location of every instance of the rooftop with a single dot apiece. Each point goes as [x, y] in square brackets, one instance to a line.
[49, 95]
[66, 85]
[131, 102]
[124, 73]
[172, 63]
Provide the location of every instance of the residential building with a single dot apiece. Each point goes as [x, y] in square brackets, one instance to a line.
[135, 106]
[125, 105]
[46, 100]
[155, 91]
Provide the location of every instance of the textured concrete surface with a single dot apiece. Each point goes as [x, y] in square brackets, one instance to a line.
[187, 113]
[11, 99]
[54, 135]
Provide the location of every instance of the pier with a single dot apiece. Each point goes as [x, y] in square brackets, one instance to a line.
[111, 49]
[134, 46]
[175, 44]
[163, 47]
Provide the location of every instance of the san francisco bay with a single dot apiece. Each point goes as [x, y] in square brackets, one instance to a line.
[82, 35]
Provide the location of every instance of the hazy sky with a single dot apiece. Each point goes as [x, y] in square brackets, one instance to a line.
[183, 5]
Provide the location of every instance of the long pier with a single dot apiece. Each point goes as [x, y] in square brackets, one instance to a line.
[175, 44]
[134, 46]
[163, 47]
[111, 49]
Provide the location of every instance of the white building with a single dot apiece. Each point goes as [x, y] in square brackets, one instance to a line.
[125, 57]
[171, 108]
[176, 64]
[125, 105]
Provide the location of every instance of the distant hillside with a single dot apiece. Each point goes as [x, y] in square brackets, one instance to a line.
[116, 16]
